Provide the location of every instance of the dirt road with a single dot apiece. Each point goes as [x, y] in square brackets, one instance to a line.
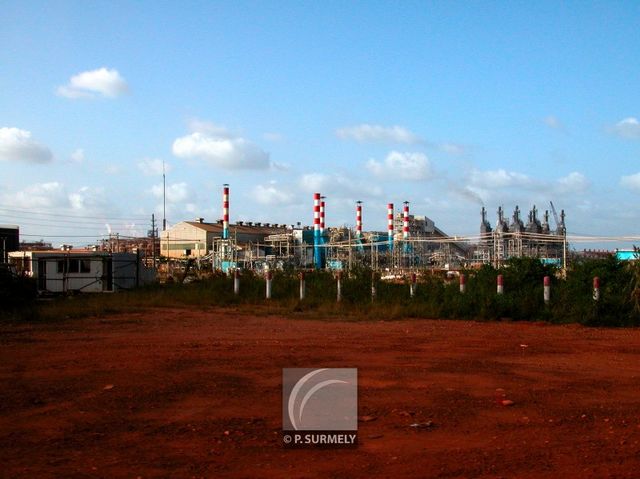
[182, 393]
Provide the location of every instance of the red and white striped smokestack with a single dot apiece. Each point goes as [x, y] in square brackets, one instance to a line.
[322, 214]
[225, 211]
[390, 221]
[316, 213]
[405, 226]
[358, 218]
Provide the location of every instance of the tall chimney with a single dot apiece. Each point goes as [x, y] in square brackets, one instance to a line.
[405, 226]
[358, 219]
[316, 230]
[390, 223]
[322, 215]
[225, 211]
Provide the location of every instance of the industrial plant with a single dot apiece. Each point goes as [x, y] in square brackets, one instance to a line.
[411, 242]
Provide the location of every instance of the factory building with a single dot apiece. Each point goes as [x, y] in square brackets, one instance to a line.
[515, 239]
[196, 239]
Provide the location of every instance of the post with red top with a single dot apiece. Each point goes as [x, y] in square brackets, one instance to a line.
[302, 285]
[413, 285]
[269, 277]
[339, 286]
[236, 282]
[596, 288]
[500, 280]
[463, 283]
[547, 289]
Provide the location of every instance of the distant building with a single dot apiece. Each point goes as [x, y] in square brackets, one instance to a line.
[627, 255]
[515, 239]
[194, 239]
[35, 246]
[9, 241]
[68, 270]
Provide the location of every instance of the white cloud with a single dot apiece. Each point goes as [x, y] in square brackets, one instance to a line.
[628, 128]
[17, 145]
[498, 179]
[176, 192]
[572, 183]
[403, 166]
[203, 126]
[220, 148]
[338, 186]
[270, 195]
[40, 195]
[377, 133]
[497, 185]
[153, 167]
[78, 156]
[54, 194]
[88, 199]
[631, 182]
[103, 81]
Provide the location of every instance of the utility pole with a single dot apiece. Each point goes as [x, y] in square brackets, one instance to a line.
[153, 238]
[164, 199]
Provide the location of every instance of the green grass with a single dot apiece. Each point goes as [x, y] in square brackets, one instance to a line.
[435, 298]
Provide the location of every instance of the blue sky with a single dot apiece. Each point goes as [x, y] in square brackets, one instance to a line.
[449, 105]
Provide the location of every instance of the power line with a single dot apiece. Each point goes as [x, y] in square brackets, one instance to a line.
[93, 228]
[47, 213]
[65, 236]
[65, 221]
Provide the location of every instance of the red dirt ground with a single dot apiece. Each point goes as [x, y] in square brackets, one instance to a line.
[198, 394]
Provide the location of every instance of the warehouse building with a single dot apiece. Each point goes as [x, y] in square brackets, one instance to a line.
[195, 239]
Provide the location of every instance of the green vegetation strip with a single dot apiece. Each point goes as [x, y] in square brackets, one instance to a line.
[436, 297]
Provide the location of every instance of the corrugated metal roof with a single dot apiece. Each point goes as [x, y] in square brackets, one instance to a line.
[240, 229]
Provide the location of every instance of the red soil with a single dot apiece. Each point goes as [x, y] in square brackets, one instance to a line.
[180, 393]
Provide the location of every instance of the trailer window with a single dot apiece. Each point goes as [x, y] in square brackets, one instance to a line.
[74, 266]
[85, 266]
[60, 267]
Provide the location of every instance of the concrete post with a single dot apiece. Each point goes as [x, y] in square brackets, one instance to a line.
[500, 280]
[339, 286]
[547, 289]
[413, 285]
[269, 279]
[302, 285]
[236, 282]
[596, 288]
